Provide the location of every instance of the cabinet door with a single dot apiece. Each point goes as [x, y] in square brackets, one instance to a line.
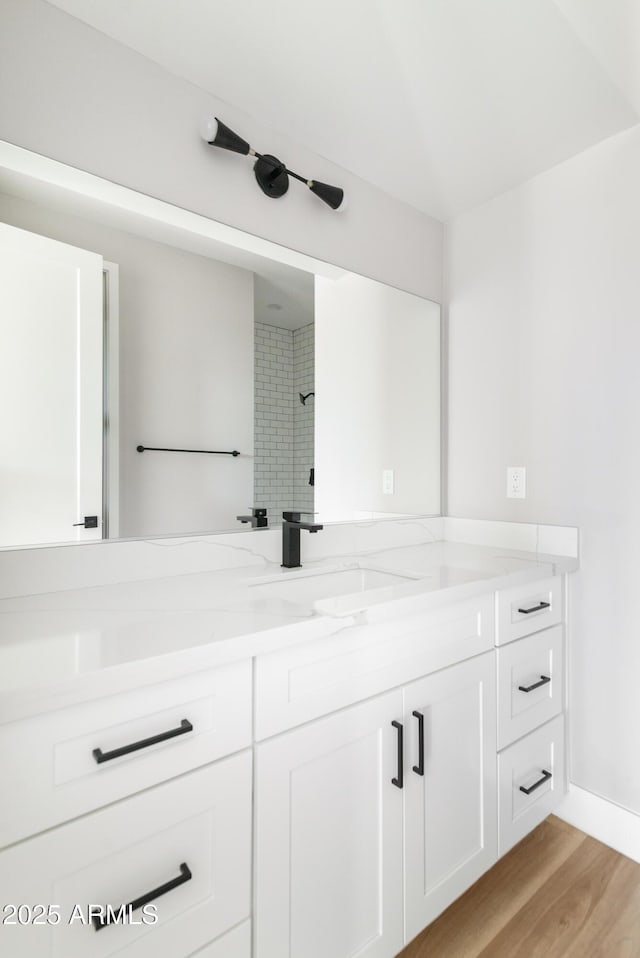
[329, 837]
[450, 810]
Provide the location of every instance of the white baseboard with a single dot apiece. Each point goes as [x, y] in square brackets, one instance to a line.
[614, 826]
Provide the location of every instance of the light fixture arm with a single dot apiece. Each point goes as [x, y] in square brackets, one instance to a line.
[278, 165]
[271, 173]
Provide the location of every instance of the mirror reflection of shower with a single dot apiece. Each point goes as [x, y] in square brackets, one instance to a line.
[284, 385]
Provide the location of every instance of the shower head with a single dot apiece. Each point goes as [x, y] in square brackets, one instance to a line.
[303, 399]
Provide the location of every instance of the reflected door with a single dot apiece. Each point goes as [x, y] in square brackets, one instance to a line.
[50, 390]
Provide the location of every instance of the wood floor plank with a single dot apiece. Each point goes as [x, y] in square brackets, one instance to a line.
[557, 894]
[475, 919]
[555, 917]
[615, 930]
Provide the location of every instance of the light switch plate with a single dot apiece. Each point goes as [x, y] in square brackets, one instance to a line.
[387, 482]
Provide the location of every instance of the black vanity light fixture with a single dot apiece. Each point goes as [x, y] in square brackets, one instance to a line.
[270, 172]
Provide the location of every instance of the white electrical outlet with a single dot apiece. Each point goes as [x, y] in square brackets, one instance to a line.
[387, 482]
[516, 482]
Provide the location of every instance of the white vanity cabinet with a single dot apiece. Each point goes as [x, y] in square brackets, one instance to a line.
[450, 809]
[184, 846]
[78, 759]
[531, 781]
[530, 683]
[296, 685]
[531, 695]
[328, 837]
[522, 610]
[154, 788]
[235, 944]
[326, 797]
[366, 830]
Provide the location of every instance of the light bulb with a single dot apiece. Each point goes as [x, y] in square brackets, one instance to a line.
[209, 128]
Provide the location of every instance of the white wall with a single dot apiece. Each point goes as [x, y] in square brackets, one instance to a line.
[544, 351]
[73, 94]
[377, 403]
[186, 375]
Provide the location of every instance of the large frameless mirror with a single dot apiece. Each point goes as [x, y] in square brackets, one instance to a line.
[163, 374]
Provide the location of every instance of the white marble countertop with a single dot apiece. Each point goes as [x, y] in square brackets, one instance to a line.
[63, 648]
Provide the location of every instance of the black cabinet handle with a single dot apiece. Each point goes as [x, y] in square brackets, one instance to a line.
[544, 680]
[112, 914]
[545, 777]
[100, 756]
[399, 781]
[536, 608]
[419, 768]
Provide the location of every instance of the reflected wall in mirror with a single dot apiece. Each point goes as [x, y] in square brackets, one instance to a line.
[208, 344]
[378, 409]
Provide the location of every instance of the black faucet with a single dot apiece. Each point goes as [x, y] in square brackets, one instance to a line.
[258, 518]
[291, 526]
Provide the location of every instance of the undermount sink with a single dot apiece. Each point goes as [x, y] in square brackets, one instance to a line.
[327, 585]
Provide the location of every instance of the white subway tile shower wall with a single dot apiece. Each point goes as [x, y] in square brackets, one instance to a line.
[274, 397]
[284, 367]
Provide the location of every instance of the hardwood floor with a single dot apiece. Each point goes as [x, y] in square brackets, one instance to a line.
[558, 894]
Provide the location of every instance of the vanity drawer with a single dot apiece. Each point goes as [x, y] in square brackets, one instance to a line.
[196, 829]
[235, 944]
[535, 763]
[530, 683]
[51, 762]
[528, 608]
[310, 680]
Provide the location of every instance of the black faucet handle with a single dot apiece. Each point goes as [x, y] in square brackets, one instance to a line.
[258, 511]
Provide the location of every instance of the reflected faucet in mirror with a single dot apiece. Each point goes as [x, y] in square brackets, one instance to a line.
[291, 528]
[258, 518]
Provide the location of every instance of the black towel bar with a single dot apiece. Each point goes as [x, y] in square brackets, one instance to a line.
[208, 452]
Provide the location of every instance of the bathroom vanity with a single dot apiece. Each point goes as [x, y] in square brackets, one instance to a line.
[278, 764]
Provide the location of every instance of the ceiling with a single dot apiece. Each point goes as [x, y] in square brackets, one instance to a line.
[441, 103]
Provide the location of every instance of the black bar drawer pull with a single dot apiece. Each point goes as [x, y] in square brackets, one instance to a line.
[545, 777]
[536, 608]
[419, 768]
[124, 911]
[544, 680]
[399, 781]
[100, 756]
